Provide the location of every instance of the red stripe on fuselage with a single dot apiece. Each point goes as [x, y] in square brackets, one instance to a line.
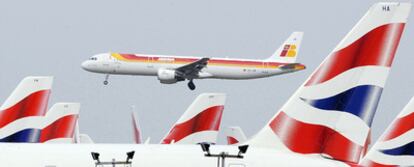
[400, 126]
[207, 120]
[305, 138]
[62, 128]
[34, 104]
[368, 50]
[148, 58]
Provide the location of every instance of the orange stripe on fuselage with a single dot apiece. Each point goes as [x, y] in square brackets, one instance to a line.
[180, 60]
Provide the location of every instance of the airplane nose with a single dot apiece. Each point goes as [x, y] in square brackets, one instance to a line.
[86, 65]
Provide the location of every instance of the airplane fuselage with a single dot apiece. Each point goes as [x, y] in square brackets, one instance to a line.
[79, 155]
[219, 68]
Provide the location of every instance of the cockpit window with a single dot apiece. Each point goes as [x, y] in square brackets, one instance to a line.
[92, 58]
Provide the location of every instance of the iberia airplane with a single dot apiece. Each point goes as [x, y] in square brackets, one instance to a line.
[325, 123]
[172, 69]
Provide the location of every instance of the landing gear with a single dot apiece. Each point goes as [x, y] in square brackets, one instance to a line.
[191, 85]
[105, 82]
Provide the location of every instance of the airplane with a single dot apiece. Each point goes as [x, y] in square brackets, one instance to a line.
[172, 69]
[25, 120]
[337, 94]
[344, 90]
[235, 135]
[200, 123]
[395, 146]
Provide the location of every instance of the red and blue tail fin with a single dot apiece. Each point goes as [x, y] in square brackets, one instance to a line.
[29, 99]
[200, 122]
[396, 145]
[57, 126]
[331, 113]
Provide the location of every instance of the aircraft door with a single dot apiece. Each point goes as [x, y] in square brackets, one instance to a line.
[117, 65]
[113, 65]
[150, 62]
[265, 69]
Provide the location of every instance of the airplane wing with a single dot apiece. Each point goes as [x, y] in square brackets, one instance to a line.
[191, 70]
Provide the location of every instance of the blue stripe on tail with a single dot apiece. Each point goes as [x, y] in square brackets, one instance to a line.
[361, 101]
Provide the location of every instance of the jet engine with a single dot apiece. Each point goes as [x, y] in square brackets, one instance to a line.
[167, 76]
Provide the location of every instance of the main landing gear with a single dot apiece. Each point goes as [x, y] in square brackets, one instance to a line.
[105, 82]
[191, 85]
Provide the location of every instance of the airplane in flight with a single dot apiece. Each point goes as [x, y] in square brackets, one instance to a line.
[395, 147]
[172, 69]
[200, 123]
[344, 90]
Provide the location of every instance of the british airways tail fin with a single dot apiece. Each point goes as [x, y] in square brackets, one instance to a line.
[331, 113]
[235, 135]
[60, 123]
[200, 122]
[29, 99]
[288, 51]
[396, 145]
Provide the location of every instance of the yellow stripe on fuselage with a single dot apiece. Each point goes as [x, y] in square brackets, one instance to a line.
[174, 61]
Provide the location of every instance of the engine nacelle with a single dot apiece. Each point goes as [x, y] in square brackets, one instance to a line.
[167, 76]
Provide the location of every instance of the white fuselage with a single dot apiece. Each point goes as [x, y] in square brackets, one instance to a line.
[149, 65]
[79, 155]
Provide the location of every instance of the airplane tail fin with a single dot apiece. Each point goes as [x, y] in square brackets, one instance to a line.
[85, 139]
[343, 91]
[396, 145]
[136, 128]
[235, 135]
[288, 51]
[200, 122]
[30, 98]
[60, 123]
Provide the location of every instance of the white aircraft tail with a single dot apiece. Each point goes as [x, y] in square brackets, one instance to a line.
[288, 51]
[60, 123]
[29, 99]
[85, 139]
[331, 113]
[235, 135]
[200, 122]
[396, 145]
[136, 127]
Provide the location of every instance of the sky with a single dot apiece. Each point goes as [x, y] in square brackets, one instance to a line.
[53, 37]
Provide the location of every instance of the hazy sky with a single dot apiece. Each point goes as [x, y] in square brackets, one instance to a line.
[52, 37]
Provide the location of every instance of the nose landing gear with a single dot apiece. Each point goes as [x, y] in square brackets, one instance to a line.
[105, 82]
[191, 85]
